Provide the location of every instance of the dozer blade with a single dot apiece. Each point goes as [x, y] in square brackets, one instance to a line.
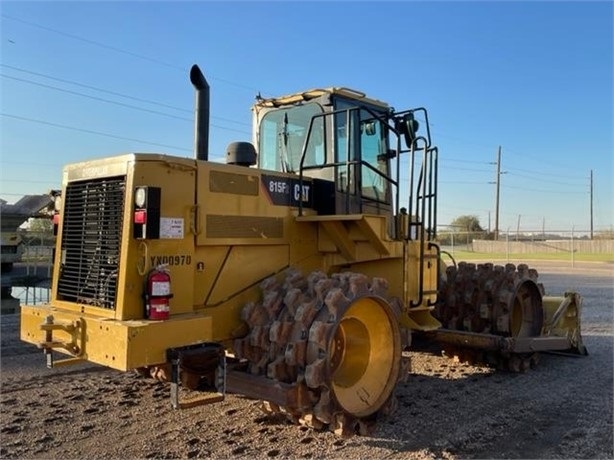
[562, 319]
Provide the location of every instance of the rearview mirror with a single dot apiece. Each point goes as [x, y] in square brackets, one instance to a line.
[408, 125]
[368, 127]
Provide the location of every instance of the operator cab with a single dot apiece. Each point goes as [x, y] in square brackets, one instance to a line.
[336, 135]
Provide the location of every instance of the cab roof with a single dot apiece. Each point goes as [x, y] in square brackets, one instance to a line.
[317, 92]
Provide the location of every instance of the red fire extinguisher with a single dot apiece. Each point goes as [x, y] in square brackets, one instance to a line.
[158, 293]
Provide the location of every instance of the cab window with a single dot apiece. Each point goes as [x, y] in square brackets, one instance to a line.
[372, 147]
[367, 137]
[282, 136]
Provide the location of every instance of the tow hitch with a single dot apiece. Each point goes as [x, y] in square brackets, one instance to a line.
[76, 332]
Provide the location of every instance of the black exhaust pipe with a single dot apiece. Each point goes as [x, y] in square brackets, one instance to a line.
[201, 109]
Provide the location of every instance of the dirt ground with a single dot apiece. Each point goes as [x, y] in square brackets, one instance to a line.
[562, 409]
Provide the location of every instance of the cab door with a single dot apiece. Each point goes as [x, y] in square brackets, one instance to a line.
[363, 175]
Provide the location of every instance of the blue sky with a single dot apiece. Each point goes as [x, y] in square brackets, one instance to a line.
[533, 77]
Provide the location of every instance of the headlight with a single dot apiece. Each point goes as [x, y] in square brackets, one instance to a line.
[57, 203]
[140, 197]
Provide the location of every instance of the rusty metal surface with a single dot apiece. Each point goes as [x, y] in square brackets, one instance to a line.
[295, 332]
[486, 298]
[495, 315]
[490, 342]
[291, 395]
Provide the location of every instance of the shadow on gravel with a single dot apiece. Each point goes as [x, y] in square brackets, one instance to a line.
[561, 409]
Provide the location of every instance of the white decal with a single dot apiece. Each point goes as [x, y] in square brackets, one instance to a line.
[160, 288]
[278, 187]
[171, 227]
[304, 196]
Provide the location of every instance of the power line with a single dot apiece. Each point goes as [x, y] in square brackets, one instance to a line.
[546, 174]
[471, 169]
[540, 179]
[537, 158]
[92, 42]
[463, 182]
[28, 163]
[55, 88]
[17, 117]
[121, 104]
[465, 141]
[95, 88]
[531, 156]
[544, 191]
[29, 181]
[453, 160]
[115, 93]
[120, 50]
[89, 131]
[540, 174]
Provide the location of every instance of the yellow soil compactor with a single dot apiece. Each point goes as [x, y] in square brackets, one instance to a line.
[295, 273]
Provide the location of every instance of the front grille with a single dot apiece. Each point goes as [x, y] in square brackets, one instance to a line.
[91, 238]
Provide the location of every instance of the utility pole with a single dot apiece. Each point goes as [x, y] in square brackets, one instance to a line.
[518, 228]
[591, 204]
[497, 181]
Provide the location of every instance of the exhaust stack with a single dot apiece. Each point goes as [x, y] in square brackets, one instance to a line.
[201, 109]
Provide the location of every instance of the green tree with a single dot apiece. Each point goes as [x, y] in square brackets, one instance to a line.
[40, 231]
[463, 229]
[467, 223]
[42, 225]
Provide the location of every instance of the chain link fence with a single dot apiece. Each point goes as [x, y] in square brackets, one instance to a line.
[563, 244]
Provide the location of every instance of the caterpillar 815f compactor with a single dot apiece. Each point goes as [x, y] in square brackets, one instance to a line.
[294, 273]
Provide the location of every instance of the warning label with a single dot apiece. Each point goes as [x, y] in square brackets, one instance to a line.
[171, 227]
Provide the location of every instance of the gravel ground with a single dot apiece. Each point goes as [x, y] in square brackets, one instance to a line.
[562, 409]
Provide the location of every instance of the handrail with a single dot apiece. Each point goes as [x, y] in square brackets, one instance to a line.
[438, 251]
[425, 178]
[433, 200]
[412, 160]
[420, 211]
[347, 163]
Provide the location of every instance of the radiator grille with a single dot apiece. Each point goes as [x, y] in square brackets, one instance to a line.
[91, 239]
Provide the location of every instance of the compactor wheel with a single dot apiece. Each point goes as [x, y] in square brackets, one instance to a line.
[338, 336]
[501, 300]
